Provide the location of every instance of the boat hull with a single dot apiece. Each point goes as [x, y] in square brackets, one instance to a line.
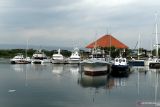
[58, 61]
[40, 61]
[20, 62]
[155, 65]
[73, 61]
[95, 69]
[120, 70]
[136, 63]
[147, 63]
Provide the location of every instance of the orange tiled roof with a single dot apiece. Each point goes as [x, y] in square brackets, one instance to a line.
[107, 41]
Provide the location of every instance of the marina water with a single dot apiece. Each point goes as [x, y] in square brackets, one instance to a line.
[54, 85]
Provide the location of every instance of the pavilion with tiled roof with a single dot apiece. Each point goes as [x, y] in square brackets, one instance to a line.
[107, 41]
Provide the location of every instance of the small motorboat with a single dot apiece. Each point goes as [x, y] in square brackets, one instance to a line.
[120, 66]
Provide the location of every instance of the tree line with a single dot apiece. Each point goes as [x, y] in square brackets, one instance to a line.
[114, 52]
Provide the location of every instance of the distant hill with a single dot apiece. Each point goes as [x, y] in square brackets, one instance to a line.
[19, 46]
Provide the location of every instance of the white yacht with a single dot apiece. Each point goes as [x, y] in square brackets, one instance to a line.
[75, 57]
[19, 59]
[57, 58]
[96, 65]
[155, 61]
[39, 57]
[149, 60]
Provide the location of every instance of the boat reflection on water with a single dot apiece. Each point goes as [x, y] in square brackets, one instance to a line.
[152, 100]
[105, 82]
[140, 69]
[22, 70]
[74, 69]
[58, 69]
[39, 67]
[143, 69]
[90, 81]
[121, 74]
[18, 67]
[114, 82]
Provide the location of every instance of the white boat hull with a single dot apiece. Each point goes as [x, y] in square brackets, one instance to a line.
[73, 61]
[95, 67]
[55, 61]
[146, 63]
[19, 62]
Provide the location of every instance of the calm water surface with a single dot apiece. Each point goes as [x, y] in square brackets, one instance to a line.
[66, 86]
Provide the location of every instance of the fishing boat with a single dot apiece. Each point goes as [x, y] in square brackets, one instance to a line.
[75, 57]
[39, 57]
[57, 58]
[19, 59]
[97, 64]
[120, 66]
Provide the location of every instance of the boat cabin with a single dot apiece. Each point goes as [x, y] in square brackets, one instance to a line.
[120, 61]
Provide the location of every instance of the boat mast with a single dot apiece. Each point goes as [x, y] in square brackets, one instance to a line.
[95, 47]
[27, 49]
[151, 48]
[110, 46]
[110, 43]
[139, 46]
[156, 35]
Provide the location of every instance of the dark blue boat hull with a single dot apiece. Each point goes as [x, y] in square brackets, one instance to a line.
[136, 63]
[120, 70]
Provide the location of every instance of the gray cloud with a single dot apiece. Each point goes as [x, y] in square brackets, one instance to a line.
[75, 22]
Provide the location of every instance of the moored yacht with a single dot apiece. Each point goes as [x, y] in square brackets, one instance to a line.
[155, 62]
[96, 65]
[19, 59]
[57, 58]
[149, 60]
[75, 57]
[39, 57]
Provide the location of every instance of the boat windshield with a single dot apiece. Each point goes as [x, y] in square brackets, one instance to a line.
[98, 56]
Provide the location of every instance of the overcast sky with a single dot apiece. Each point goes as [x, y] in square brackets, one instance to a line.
[77, 22]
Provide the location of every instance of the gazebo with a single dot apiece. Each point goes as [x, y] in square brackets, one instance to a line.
[107, 41]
